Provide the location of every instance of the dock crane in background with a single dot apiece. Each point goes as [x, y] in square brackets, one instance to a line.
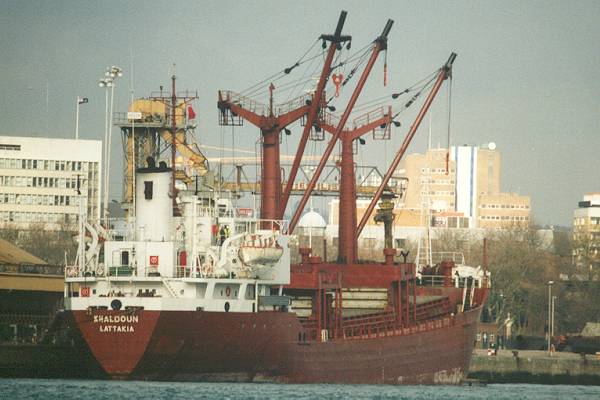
[174, 104]
[233, 108]
[147, 131]
[197, 161]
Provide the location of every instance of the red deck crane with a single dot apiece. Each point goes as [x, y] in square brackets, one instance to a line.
[313, 276]
[233, 105]
[367, 123]
[380, 45]
[444, 73]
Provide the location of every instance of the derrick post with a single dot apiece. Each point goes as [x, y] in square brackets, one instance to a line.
[347, 205]
[270, 127]
[347, 249]
[270, 174]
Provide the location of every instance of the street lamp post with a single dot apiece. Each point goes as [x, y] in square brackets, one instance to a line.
[550, 319]
[553, 320]
[80, 100]
[105, 83]
[111, 74]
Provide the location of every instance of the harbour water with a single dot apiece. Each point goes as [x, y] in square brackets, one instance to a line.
[114, 390]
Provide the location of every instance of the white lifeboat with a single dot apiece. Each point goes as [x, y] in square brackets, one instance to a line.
[257, 250]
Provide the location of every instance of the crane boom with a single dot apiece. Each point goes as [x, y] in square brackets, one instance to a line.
[380, 44]
[443, 74]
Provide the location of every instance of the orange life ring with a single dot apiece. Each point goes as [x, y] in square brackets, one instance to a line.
[227, 291]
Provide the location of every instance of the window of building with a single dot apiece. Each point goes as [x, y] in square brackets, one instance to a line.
[12, 147]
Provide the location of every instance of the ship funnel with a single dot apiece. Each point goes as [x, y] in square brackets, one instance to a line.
[151, 163]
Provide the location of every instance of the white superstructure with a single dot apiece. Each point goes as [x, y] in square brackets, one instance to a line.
[38, 181]
[208, 258]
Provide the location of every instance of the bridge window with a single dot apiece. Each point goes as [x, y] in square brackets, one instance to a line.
[125, 258]
[148, 190]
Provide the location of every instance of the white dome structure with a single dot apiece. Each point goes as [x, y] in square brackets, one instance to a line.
[312, 219]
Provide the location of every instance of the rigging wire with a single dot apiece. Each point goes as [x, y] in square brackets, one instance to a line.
[354, 56]
[302, 61]
[283, 73]
[282, 88]
[261, 90]
[234, 162]
[382, 99]
[415, 97]
[361, 60]
[309, 71]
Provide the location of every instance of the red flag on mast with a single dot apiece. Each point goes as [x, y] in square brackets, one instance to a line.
[191, 113]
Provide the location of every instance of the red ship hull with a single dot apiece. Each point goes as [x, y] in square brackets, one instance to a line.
[265, 346]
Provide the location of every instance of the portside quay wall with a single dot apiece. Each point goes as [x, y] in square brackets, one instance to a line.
[535, 367]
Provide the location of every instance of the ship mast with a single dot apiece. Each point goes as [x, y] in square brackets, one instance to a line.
[380, 118]
[173, 103]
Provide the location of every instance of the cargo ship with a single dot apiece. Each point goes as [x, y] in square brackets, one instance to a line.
[193, 288]
[148, 313]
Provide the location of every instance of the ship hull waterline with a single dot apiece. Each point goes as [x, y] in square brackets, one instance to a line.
[266, 347]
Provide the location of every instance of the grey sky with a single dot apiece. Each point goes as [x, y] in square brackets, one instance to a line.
[525, 77]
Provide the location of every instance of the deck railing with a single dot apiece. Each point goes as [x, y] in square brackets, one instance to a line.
[375, 326]
[431, 315]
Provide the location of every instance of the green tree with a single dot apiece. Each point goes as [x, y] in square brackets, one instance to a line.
[50, 245]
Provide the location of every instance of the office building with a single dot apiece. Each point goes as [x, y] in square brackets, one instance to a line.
[39, 180]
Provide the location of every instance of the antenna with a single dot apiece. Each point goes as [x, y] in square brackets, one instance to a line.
[176, 106]
[132, 90]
